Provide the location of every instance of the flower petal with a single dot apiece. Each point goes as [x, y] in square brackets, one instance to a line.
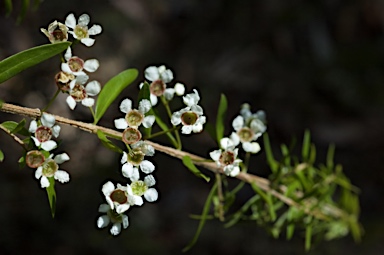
[166, 76]
[104, 208]
[122, 208]
[71, 102]
[168, 93]
[39, 172]
[44, 182]
[149, 180]
[115, 229]
[95, 30]
[32, 126]
[147, 166]
[103, 221]
[84, 20]
[56, 130]
[144, 106]
[251, 147]
[91, 65]
[61, 158]
[148, 121]
[48, 145]
[151, 73]
[88, 102]
[93, 88]
[215, 155]
[70, 21]
[61, 176]
[125, 221]
[68, 53]
[87, 41]
[186, 130]
[108, 188]
[238, 123]
[151, 195]
[153, 99]
[121, 123]
[48, 120]
[179, 89]
[126, 105]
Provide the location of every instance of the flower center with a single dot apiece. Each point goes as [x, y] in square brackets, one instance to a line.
[157, 87]
[189, 118]
[81, 32]
[76, 64]
[49, 168]
[135, 157]
[119, 196]
[63, 79]
[43, 134]
[245, 134]
[227, 158]
[131, 135]
[134, 118]
[139, 187]
[78, 92]
[58, 35]
[34, 159]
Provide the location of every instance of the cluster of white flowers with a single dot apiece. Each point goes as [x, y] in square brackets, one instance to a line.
[47, 165]
[72, 78]
[248, 126]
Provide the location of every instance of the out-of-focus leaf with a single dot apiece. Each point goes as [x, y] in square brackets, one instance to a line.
[8, 7]
[23, 11]
[1, 156]
[187, 161]
[204, 215]
[21, 162]
[330, 156]
[308, 237]
[14, 64]
[52, 196]
[268, 199]
[107, 143]
[16, 128]
[220, 118]
[306, 145]
[111, 90]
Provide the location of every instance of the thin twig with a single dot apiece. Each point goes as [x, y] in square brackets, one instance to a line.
[263, 183]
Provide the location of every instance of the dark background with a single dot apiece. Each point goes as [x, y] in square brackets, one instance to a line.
[308, 64]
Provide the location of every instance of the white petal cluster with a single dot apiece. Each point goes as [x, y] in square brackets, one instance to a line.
[48, 121]
[80, 30]
[191, 110]
[117, 220]
[47, 169]
[80, 93]
[126, 107]
[227, 157]
[90, 65]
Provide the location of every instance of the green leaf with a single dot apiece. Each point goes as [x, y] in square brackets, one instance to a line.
[267, 198]
[306, 145]
[14, 64]
[23, 12]
[268, 152]
[112, 90]
[8, 7]
[22, 162]
[330, 156]
[52, 195]
[1, 156]
[308, 237]
[187, 161]
[204, 215]
[220, 118]
[15, 127]
[107, 143]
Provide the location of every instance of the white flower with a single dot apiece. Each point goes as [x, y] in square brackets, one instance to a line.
[80, 29]
[75, 65]
[50, 168]
[120, 198]
[43, 133]
[132, 163]
[142, 188]
[154, 73]
[227, 158]
[57, 32]
[134, 118]
[246, 135]
[111, 216]
[191, 116]
[79, 93]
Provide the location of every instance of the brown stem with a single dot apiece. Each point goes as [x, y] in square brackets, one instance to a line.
[263, 183]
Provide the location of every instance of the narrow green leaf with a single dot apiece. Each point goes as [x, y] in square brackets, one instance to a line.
[15, 127]
[111, 90]
[308, 237]
[330, 156]
[14, 64]
[223, 104]
[52, 196]
[290, 231]
[268, 152]
[107, 143]
[19, 127]
[187, 161]
[306, 145]
[267, 198]
[1, 156]
[204, 215]
[23, 11]
[22, 162]
[8, 7]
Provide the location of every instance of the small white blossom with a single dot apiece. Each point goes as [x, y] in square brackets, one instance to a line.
[246, 134]
[43, 133]
[159, 77]
[76, 65]
[118, 220]
[79, 93]
[80, 29]
[120, 198]
[134, 118]
[227, 157]
[179, 90]
[143, 188]
[57, 32]
[130, 168]
[191, 117]
[50, 168]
